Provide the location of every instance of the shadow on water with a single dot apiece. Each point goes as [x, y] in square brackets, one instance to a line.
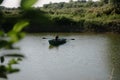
[114, 50]
[51, 47]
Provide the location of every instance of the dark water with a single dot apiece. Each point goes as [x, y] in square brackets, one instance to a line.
[88, 57]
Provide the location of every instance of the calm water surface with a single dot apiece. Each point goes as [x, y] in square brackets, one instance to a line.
[88, 57]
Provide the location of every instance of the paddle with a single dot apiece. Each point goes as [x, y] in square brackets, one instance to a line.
[44, 38]
[72, 39]
[66, 39]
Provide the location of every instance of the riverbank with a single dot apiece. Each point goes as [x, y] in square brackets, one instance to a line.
[98, 19]
[87, 26]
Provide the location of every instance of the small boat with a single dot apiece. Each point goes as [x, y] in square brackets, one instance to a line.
[57, 42]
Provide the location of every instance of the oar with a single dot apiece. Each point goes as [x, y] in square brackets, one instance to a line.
[44, 38]
[66, 39]
[72, 39]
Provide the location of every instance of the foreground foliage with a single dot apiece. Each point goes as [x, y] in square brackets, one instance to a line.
[10, 33]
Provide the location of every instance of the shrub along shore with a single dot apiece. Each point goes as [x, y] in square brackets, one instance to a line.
[89, 21]
[87, 17]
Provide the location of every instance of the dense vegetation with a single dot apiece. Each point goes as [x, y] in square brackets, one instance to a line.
[74, 16]
[101, 16]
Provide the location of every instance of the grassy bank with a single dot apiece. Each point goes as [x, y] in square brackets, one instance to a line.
[94, 17]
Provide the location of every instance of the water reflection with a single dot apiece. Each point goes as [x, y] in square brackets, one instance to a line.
[114, 50]
[51, 47]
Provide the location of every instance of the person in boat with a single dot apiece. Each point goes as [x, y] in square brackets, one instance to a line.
[56, 38]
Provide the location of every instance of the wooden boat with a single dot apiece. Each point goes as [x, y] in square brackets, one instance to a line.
[58, 42]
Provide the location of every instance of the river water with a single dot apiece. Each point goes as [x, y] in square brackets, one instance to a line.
[88, 57]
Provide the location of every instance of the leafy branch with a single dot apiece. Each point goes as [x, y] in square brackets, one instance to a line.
[14, 35]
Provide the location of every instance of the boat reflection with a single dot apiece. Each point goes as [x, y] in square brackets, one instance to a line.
[51, 47]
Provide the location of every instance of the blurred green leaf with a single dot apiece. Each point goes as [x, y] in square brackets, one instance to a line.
[20, 25]
[16, 36]
[26, 4]
[2, 59]
[2, 68]
[1, 33]
[3, 75]
[21, 35]
[13, 70]
[13, 36]
[3, 43]
[13, 61]
[14, 55]
[19, 59]
[3, 71]
[16, 33]
[1, 1]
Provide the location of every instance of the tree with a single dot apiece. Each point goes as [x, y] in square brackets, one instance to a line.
[105, 1]
[115, 3]
[71, 1]
[90, 0]
[81, 0]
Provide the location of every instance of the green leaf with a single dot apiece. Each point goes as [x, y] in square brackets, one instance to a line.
[19, 59]
[13, 70]
[3, 72]
[16, 33]
[3, 43]
[13, 36]
[20, 25]
[3, 75]
[1, 1]
[13, 61]
[2, 68]
[16, 36]
[26, 4]
[21, 35]
[1, 33]
[14, 55]
[2, 59]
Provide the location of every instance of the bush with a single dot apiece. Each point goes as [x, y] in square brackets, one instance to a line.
[63, 21]
[113, 26]
[94, 26]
